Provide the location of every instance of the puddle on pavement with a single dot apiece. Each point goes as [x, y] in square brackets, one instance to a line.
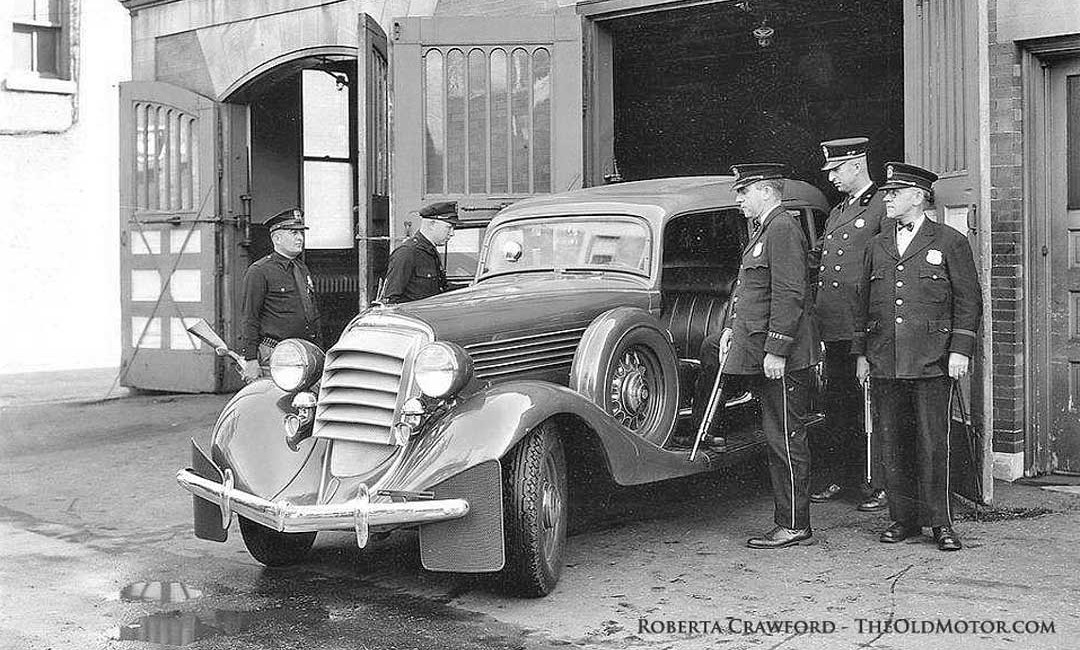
[159, 592]
[181, 628]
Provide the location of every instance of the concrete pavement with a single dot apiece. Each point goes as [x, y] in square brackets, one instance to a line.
[88, 505]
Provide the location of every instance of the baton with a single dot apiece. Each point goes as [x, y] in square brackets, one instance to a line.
[714, 397]
[868, 424]
[205, 333]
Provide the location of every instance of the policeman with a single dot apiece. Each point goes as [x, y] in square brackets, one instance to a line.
[773, 345]
[850, 226]
[919, 307]
[279, 297]
[415, 269]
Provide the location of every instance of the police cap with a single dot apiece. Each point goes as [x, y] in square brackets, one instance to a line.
[441, 211]
[291, 219]
[899, 175]
[838, 152]
[748, 173]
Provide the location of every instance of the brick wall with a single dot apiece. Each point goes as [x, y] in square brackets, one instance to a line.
[1006, 240]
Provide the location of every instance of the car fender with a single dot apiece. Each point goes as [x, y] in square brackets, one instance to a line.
[249, 439]
[487, 424]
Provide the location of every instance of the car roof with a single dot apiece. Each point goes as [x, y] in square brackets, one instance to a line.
[655, 200]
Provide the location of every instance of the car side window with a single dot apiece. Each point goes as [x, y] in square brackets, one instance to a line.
[702, 250]
[461, 254]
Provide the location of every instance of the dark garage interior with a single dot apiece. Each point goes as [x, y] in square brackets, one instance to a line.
[695, 92]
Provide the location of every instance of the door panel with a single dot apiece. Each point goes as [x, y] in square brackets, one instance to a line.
[169, 236]
[942, 133]
[477, 102]
[1064, 207]
[373, 170]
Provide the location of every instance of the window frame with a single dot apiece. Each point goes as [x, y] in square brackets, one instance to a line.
[33, 79]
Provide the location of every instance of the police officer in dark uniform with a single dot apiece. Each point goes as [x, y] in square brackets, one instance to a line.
[279, 296]
[415, 269]
[919, 308]
[773, 344]
[851, 224]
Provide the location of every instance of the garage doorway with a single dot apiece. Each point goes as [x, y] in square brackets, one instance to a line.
[692, 90]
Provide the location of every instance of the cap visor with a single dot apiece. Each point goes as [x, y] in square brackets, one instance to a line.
[832, 164]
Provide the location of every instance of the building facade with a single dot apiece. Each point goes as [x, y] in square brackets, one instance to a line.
[61, 62]
[359, 111]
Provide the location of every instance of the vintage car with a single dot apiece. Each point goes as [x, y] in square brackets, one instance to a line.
[571, 357]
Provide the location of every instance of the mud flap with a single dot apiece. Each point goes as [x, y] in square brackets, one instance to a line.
[474, 543]
[206, 514]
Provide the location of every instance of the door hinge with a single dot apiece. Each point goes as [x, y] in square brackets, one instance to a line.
[1045, 250]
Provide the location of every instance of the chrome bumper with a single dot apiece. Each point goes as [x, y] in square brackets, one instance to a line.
[358, 513]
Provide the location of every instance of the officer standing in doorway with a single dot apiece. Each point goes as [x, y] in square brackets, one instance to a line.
[851, 224]
[415, 269]
[279, 296]
[919, 308]
[773, 345]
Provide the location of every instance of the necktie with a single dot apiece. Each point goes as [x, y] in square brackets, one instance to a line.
[910, 227]
[302, 289]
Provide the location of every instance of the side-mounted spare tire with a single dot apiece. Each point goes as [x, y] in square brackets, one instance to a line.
[535, 512]
[626, 365]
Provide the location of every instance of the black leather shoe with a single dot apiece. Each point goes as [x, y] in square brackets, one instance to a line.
[780, 537]
[828, 494]
[879, 500]
[946, 539]
[898, 532]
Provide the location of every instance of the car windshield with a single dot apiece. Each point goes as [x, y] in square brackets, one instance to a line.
[583, 244]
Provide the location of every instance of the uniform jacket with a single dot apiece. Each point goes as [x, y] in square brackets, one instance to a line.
[272, 306]
[770, 310]
[915, 308]
[849, 227]
[415, 271]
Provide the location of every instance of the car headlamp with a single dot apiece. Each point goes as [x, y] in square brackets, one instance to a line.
[442, 369]
[296, 364]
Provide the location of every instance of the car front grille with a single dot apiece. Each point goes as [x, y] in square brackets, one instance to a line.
[526, 354]
[365, 380]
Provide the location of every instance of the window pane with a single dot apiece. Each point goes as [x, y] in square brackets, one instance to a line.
[328, 192]
[478, 124]
[325, 115]
[22, 10]
[22, 50]
[435, 135]
[521, 128]
[541, 139]
[455, 121]
[48, 51]
[500, 121]
[48, 10]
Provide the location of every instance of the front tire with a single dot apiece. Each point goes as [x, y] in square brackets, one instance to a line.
[535, 507]
[272, 548]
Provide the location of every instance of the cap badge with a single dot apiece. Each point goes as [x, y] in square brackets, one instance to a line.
[933, 256]
[889, 171]
[860, 222]
[758, 247]
[825, 151]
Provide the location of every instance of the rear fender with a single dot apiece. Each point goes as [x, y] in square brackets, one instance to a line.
[486, 425]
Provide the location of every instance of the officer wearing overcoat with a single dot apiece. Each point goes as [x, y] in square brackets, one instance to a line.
[415, 269]
[279, 297]
[850, 225]
[919, 309]
[773, 344]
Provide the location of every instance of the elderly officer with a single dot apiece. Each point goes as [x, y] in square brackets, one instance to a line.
[919, 307]
[773, 345]
[279, 297]
[415, 270]
[850, 226]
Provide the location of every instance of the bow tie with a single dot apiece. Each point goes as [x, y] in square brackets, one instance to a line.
[756, 224]
[908, 227]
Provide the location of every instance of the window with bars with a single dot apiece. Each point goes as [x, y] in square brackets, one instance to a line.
[38, 40]
[166, 159]
[487, 120]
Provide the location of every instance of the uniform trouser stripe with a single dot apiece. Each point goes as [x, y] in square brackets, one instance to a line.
[787, 448]
[784, 404]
